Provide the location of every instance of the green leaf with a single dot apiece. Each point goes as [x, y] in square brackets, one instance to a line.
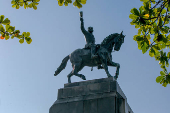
[135, 11]
[153, 1]
[67, 2]
[6, 21]
[25, 6]
[132, 16]
[155, 12]
[17, 6]
[27, 34]
[7, 27]
[163, 79]
[139, 38]
[160, 22]
[21, 4]
[164, 30]
[60, 2]
[164, 84]
[13, 2]
[11, 29]
[162, 73]
[13, 6]
[133, 22]
[36, 3]
[21, 41]
[168, 55]
[28, 40]
[12, 36]
[76, 3]
[17, 31]
[140, 43]
[163, 11]
[24, 34]
[2, 28]
[34, 7]
[147, 6]
[2, 18]
[139, 31]
[159, 79]
[167, 64]
[83, 1]
[144, 47]
[136, 36]
[3, 35]
[151, 52]
[151, 30]
[7, 36]
[168, 36]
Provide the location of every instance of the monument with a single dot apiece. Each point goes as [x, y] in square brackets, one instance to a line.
[93, 55]
[93, 96]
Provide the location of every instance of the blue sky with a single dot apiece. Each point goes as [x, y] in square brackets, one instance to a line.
[27, 83]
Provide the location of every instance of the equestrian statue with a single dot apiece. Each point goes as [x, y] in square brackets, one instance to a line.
[93, 54]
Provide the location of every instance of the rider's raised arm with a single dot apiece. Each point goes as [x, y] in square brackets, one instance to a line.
[82, 27]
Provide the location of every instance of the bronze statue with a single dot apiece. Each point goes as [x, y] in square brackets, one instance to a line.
[83, 57]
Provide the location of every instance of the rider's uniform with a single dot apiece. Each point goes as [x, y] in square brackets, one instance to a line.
[89, 38]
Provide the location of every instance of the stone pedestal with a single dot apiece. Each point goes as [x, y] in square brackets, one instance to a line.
[93, 96]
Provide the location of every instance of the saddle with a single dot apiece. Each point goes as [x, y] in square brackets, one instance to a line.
[96, 47]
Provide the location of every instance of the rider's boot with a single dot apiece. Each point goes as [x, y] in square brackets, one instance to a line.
[93, 50]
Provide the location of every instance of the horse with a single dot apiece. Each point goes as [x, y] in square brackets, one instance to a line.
[82, 57]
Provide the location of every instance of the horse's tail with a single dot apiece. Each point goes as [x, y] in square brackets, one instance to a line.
[62, 65]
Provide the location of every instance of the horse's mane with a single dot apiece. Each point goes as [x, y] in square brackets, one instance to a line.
[108, 39]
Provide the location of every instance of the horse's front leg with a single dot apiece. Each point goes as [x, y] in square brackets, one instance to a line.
[104, 64]
[117, 65]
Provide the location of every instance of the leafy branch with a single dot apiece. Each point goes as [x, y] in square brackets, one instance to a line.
[77, 3]
[9, 31]
[153, 25]
[26, 3]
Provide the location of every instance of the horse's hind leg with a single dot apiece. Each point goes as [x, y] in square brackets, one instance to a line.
[78, 67]
[69, 76]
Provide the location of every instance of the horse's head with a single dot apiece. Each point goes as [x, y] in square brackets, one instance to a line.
[114, 40]
[118, 40]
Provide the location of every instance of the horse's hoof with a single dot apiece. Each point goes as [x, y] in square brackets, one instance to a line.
[109, 76]
[83, 77]
[115, 77]
[69, 81]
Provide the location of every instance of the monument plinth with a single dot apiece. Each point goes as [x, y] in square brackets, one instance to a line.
[93, 96]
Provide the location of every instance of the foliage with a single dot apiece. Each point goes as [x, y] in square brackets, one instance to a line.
[152, 21]
[26, 3]
[33, 3]
[77, 3]
[9, 31]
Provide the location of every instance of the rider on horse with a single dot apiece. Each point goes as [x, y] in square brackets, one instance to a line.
[89, 37]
